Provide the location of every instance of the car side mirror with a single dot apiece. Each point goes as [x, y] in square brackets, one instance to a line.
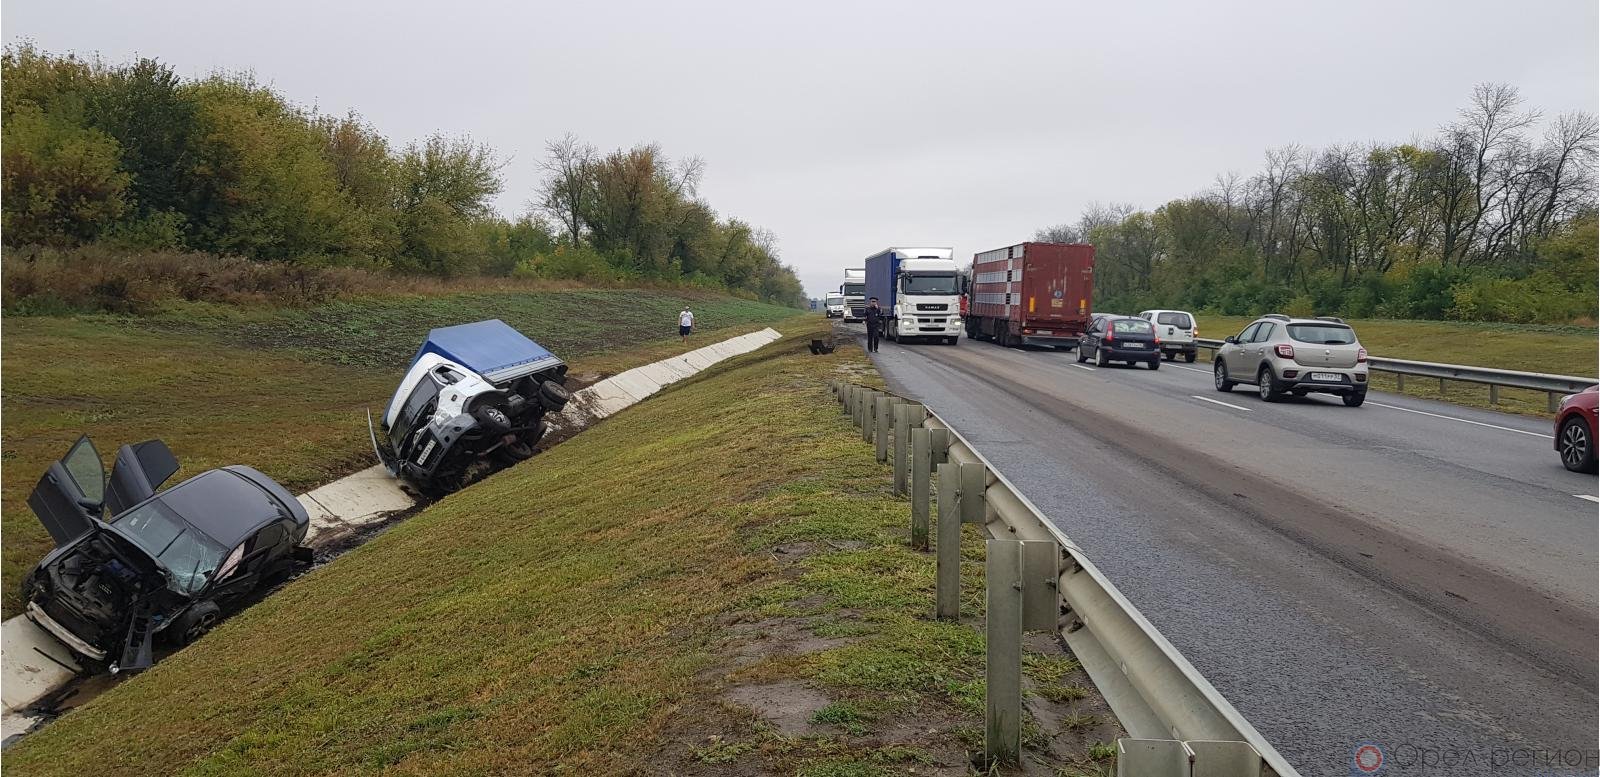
[1231, 340]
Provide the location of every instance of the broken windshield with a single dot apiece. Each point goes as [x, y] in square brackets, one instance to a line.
[188, 555]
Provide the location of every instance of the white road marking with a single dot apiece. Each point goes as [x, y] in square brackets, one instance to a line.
[1595, 499]
[1191, 369]
[1082, 367]
[1462, 420]
[1224, 404]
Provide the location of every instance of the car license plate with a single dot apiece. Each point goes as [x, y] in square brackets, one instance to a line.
[1331, 377]
[1044, 332]
[1133, 345]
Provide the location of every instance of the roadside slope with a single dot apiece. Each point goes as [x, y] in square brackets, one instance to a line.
[713, 582]
[283, 389]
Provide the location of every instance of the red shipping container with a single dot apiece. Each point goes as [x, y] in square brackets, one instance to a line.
[1035, 293]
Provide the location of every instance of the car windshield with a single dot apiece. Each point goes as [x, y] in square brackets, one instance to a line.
[188, 555]
[855, 289]
[835, 299]
[929, 283]
[1322, 334]
[1132, 326]
[1180, 320]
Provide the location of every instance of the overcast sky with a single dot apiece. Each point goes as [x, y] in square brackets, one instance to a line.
[846, 127]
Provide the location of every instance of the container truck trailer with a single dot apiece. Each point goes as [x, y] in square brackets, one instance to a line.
[1032, 293]
[920, 291]
[854, 290]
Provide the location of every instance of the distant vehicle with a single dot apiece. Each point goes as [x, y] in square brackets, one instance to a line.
[1032, 293]
[1575, 430]
[162, 564]
[474, 398]
[1123, 339]
[920, 291]
[1282, 355]
[833, 305]
[854, 290]
[1177, 330]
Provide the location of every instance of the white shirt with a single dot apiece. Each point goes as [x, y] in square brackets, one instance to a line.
[686, 319]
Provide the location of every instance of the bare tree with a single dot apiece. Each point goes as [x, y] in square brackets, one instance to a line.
[1060, 233]
[564, 192]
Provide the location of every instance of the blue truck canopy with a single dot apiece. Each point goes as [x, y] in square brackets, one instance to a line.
[490, 348]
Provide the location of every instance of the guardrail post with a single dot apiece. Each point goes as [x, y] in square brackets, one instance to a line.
[885, 418]
[972, 485]
[1494, 394]
[947, 592]
[1441, 385]
[1554, 401]
[847, 399]
[902, 437]
[919, 488]
[868, 404]
[1002, 739]
[939, 445]
[1400, 383]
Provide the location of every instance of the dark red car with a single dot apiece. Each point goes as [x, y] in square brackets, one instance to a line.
[1575, 430]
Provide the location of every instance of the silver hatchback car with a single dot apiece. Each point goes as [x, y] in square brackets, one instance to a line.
[1282, 355]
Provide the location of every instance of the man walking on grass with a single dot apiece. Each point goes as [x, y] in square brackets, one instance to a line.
[685, 324]
[874, 320]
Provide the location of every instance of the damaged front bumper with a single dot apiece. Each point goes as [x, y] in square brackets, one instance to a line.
[37, 614]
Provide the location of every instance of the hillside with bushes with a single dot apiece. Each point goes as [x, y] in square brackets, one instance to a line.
[1492, 219]
[132, 159]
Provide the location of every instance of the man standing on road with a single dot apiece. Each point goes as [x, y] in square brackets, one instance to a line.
[685, 324]
[874, 320]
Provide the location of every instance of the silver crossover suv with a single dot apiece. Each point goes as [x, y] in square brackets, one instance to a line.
[1283, 355]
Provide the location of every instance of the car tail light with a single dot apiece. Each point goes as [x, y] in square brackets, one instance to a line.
[1285, 350]
[1110, 335]
[1158, 341]
[1361, 355]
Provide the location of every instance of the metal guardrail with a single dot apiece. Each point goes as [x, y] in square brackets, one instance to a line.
[1179, 724]
[1555, 386]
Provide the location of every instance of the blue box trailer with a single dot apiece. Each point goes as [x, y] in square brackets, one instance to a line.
[881, 271]
[490, 348]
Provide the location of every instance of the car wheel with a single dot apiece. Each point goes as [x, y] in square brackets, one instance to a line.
[1189, 357]
[1355, 398]
[1100, 358]
[1576, 445]
[1219, 377]
[1082, 355]
[1155, 364]
[1265, 385]
[197, 621]
[1167, 356]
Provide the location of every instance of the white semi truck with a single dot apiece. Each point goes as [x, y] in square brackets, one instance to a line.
[920, 289]
[854, 290]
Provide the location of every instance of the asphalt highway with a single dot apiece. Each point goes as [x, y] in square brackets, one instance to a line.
[1410, 574]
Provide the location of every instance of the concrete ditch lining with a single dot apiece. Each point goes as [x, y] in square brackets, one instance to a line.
[33, 665]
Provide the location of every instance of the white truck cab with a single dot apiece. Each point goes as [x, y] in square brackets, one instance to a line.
[833, 305]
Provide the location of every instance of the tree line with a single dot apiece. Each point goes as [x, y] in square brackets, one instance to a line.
[136, 158]
[1491, 219]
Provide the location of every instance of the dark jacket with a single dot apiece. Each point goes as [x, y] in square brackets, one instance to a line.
[874, 315]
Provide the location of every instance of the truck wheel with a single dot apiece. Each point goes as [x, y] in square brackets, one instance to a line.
[1188, 356]
[955, 340]
[553, 396]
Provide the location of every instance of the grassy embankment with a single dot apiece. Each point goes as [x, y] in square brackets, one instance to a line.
[1560, 350]
[282, 389]
[599, 610]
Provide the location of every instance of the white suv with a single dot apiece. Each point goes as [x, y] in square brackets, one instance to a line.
[1177, 331]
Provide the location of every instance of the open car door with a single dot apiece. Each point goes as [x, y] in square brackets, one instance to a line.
[71, 495]
[138, 472]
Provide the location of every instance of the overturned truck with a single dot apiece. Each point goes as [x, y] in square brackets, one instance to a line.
[473, 400]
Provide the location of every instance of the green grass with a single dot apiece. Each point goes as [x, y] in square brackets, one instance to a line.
[1560, 350]
[283, 390]
[574, 615]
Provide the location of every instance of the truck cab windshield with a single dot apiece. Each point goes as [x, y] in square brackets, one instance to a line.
[930, 283]
[855, 289]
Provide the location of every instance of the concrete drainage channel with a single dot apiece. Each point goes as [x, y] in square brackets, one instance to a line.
[37, 674]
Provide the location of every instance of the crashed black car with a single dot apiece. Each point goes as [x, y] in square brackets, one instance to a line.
[162, 565]
[473, 399]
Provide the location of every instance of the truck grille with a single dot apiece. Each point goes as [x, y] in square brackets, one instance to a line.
[856, 312]
[933, 308]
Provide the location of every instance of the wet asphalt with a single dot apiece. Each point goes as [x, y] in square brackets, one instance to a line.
[1409, 574]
